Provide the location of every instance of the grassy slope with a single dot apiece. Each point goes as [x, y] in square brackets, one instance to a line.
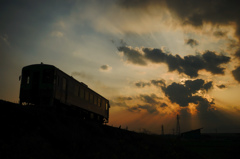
[30, 132]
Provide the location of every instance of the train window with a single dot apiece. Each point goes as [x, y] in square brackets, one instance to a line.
[86, 95]
[91, 98]
[81, 93]
[26, 77]
[106, 106]
[95, 100]
[57, 80]
[103, 102]
[99, 102]
[92, 116]
[75, 90]
[48, 75]
[64, 84]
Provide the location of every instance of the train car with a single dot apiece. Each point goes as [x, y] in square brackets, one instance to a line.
[47, 86]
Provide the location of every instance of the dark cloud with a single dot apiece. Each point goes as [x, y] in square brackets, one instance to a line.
[220, 34]
[134, 109]
[195, 13]
[189, 65]
[118, 104]
[213, 62]
[150, 103]
[237, 54]
[236, 74]
[105, 68]
[142, 84]
[158, 83]
[133, 56]
[150, 99]
[150, 108]
[198, 84]
[192, 42]
[221, 86]
[194, 86]
[183, 94]
[124, 98]
[163, 105]
[178, 93]
[120, 101]
[208, 86]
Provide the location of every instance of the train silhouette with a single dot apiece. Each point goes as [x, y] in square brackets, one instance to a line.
[47, 86]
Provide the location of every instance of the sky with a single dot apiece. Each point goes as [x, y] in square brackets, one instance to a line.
[153, 59]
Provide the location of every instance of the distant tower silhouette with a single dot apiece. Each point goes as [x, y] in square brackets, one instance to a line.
[162, 130]
[178, 126]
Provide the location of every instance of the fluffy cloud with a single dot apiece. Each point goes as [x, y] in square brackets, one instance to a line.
[189, 65]
[152, 99]
[105, 68]
[133, 56]
[142, 84]
[183, 94]
[150, 108]
[157, 83]
[191, 42]
[221, 86]
[150, 103]
[163, 105]
[191, 91]
[220, 34]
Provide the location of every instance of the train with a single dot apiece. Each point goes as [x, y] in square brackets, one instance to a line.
[47, 86]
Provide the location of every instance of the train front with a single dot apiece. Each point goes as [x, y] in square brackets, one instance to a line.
[37, 85]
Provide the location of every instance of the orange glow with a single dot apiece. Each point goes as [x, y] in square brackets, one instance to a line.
[192, 108]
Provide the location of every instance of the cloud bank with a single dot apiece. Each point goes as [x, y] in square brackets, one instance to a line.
[184, 94]
[194, 13]
[189, 65]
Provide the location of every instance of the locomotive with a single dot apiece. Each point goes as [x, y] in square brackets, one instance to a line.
[47, 86]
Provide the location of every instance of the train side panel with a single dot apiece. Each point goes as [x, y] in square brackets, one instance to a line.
[73, 93]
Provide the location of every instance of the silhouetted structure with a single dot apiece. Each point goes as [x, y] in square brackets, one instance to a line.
[193, 134]
[47, 86]
[162, 130]
[178, 126]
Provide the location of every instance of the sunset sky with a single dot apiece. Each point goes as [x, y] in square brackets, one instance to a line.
[153, 59]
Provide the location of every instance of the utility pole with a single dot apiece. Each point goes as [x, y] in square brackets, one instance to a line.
[178, 126]
[162, 130]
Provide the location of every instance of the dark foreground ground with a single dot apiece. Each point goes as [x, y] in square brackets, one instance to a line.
[30, 132]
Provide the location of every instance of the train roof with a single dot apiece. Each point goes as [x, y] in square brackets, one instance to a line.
[38, 65]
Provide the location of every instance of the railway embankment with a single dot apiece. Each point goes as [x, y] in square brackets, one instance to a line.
[33, 132]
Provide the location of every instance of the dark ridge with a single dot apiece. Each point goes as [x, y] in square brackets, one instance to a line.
[34, 132]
